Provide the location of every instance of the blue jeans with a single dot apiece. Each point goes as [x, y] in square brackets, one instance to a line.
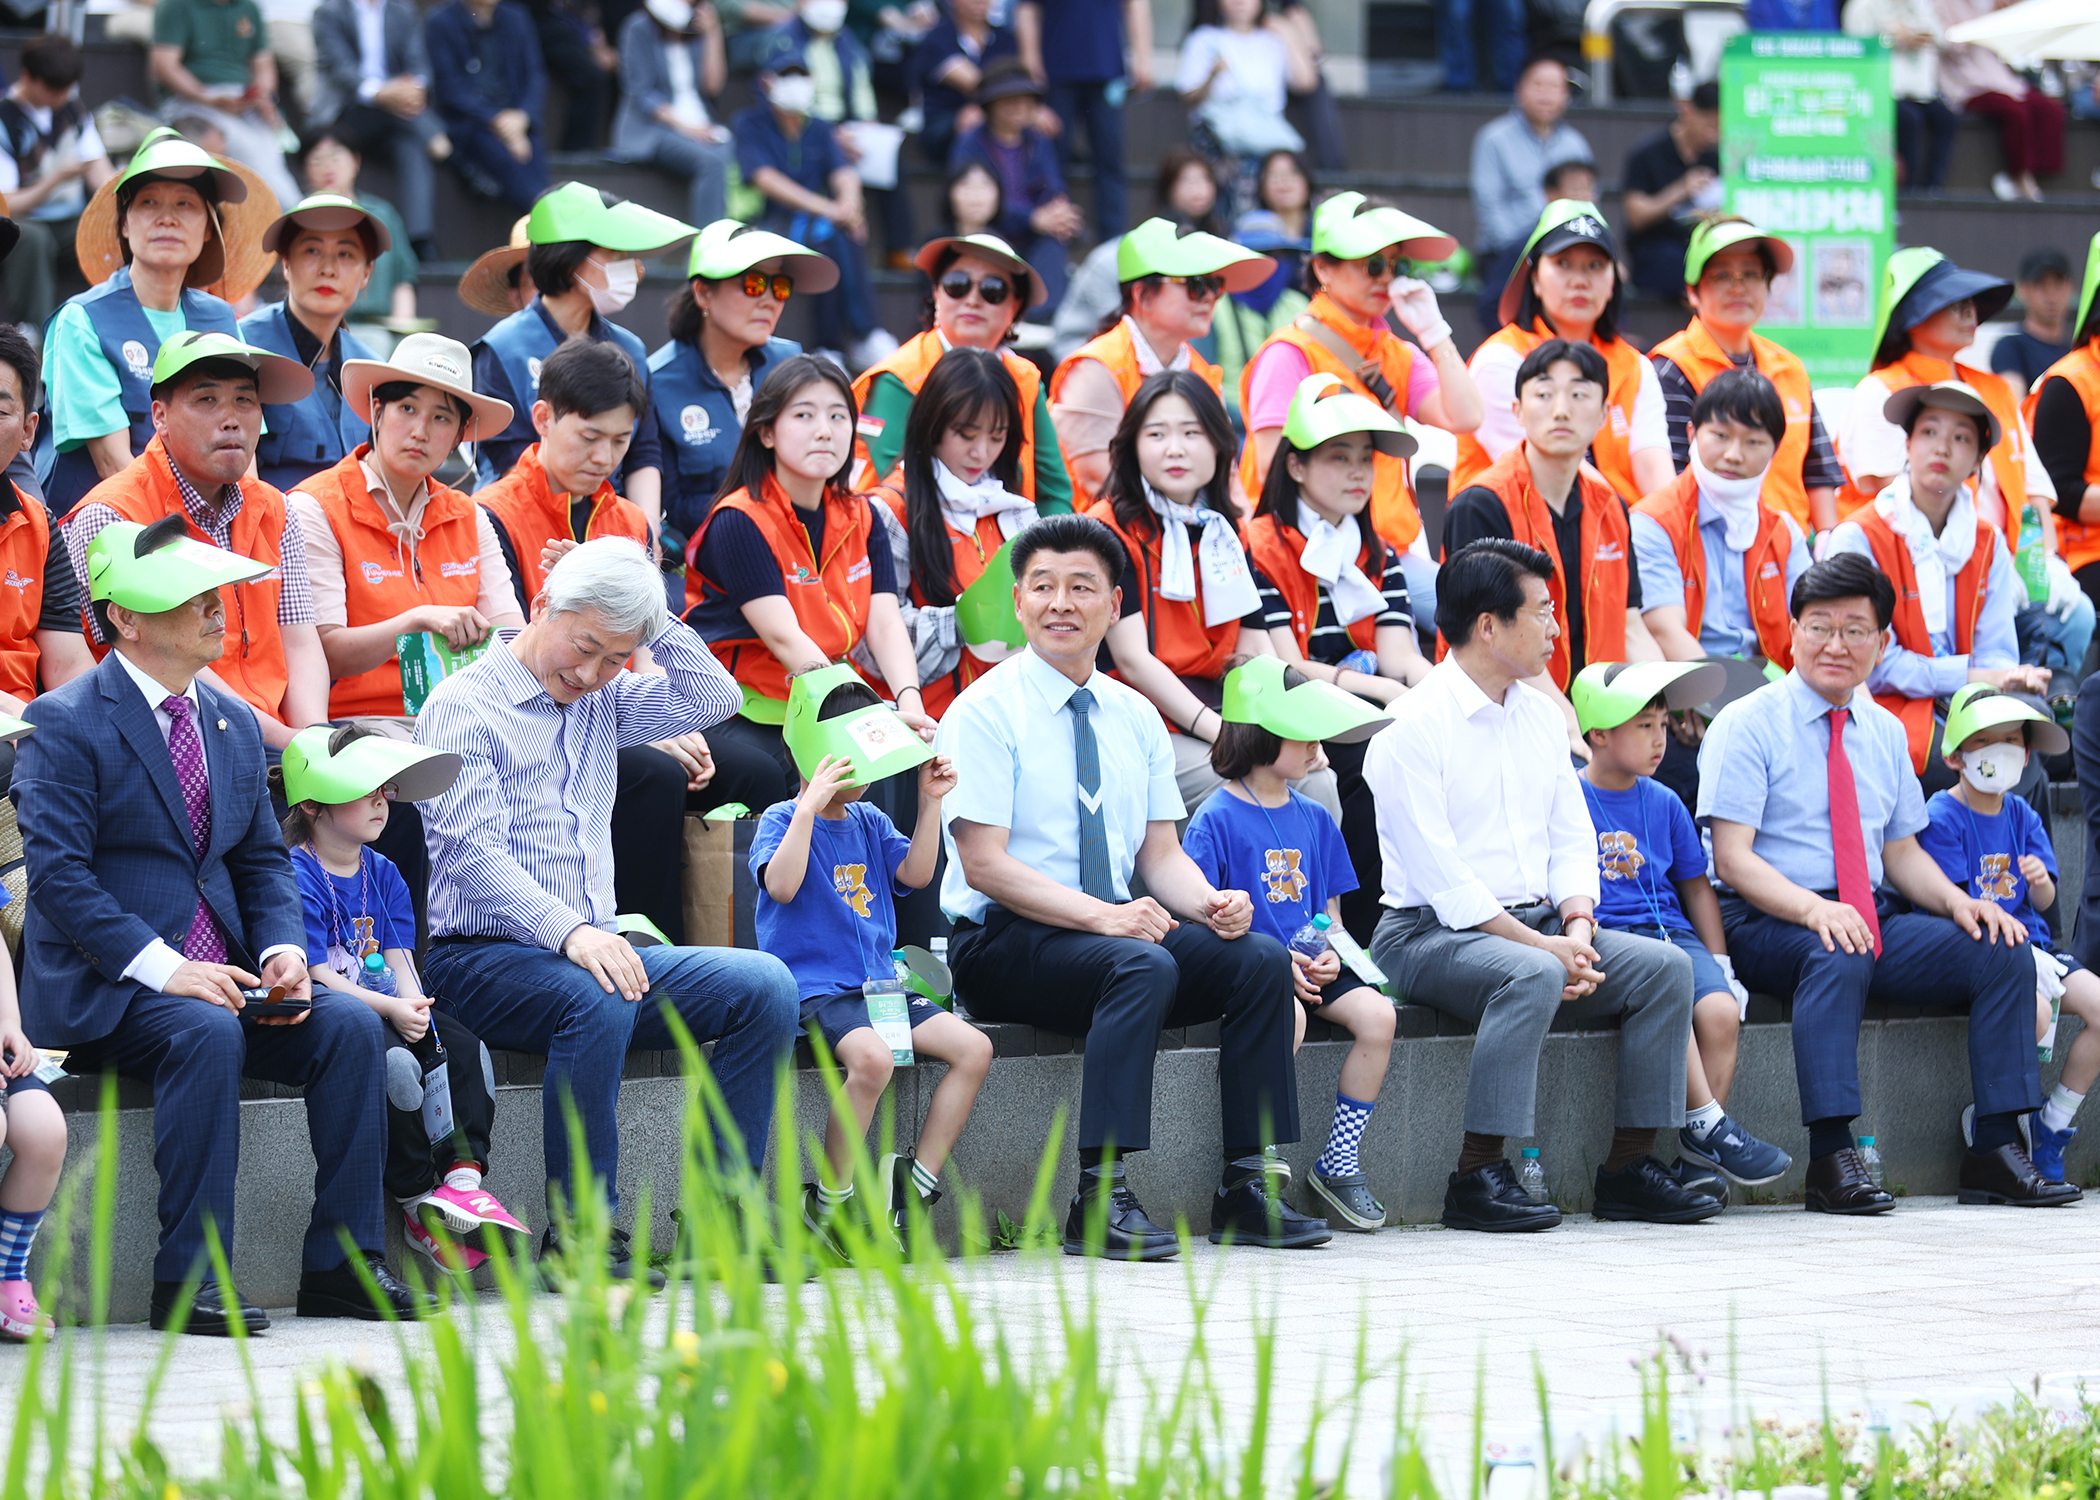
[1507, 42]
[1092, 103]
[2059, 645]
[530, 1000]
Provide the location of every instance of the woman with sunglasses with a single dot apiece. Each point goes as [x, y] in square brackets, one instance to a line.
[721, 350]
[1170, 280]
[980, 286]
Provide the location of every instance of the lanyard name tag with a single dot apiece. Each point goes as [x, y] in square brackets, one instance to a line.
[889, 1012]
[1353, 955]
[437, 1099]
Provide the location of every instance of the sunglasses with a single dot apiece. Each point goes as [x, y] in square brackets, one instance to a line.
[756, 283]
[1374, 264]
[958, 285]
[1200, 287]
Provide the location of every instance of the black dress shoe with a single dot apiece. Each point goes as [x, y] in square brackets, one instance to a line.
[1647, 1192]
[2006, 1176]
[619, 1260]
[1491, 1200]
[1839, 1184]
[341, 1293]
[1126, 1234]
[1245, 1212]
[210, 1315]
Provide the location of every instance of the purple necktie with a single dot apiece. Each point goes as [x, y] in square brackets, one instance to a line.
[205, 944]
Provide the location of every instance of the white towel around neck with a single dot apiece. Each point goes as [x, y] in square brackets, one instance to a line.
[1330, 555]
[964, 505]
[1936, 559]
[1228, 585]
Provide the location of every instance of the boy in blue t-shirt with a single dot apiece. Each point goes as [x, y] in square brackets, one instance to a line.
[1997, 848]
[829, 868]
[1651, 869]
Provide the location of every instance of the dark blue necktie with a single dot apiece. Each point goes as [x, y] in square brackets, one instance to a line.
[1094, 877]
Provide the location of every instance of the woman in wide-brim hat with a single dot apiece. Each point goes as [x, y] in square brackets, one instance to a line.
[494, 285]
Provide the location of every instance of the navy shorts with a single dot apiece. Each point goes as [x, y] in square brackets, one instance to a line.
[30, 1085]
[1707, 978]
[1343, 983]
[832, 1016]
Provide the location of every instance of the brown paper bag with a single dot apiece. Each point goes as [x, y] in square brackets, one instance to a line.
[721, 899]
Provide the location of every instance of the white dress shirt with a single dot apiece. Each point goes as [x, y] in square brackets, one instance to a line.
[371, 46]
[1478, 805]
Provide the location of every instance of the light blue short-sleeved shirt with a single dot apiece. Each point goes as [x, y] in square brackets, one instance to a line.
[1726, 627]
[1010, 736]
[1765, 762]
[1996, 642]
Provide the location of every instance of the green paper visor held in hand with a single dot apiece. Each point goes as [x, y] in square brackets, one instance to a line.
[879, 743]
[1608, 693]
[166, 578]
[729, 248]
[929, 976]
[1313, 710]
[984, 612]
[333, 766]
[1980, 706]
[1158, 247]
[1324, 407]
[574, 211]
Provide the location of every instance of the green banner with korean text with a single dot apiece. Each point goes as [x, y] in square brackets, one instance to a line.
[1808, 152]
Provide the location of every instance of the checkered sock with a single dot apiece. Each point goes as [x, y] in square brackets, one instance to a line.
[17, 1234]
[1350, 1118]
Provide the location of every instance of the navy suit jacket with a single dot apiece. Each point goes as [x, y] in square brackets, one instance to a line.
[111, 865]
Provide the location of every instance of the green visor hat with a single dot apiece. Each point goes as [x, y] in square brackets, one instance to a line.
[1918, 282]
[875, 739]
[1981, 706]
[2086, 326]
[1608, 693]
[575, 211]
[1715, 235]
[984, 612]
[1566, 221]
[1313, 710]
[13, 729]
[278, 381]
[728, 248]
[165, 153]
[332, 766]
[1158, 248]
[1324, 407]
[326, 212]
[165, 578]
[1346, 229]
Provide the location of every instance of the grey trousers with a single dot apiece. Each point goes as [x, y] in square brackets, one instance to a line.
[703, 164]
[1511, 995]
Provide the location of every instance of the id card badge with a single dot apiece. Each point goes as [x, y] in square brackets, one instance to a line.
[437, 1099]
[1353, 955]
[889, 1012]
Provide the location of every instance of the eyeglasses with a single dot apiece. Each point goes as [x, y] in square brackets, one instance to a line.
[757, 282]
[1375, 264]
[1855, 637]
[1201, 287]
[1735, 278]
[959, 284]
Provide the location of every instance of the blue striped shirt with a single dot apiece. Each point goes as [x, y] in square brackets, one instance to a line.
[521, 845]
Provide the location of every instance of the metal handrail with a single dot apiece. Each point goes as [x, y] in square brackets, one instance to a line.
[1596, 33]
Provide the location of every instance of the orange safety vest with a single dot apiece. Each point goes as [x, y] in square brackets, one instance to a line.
[381, 579]
[1607, 541]
[25, 546]
[1971, 587]
[524, 504]
[1694, 352]
[973, 549]
[1278, 550]
[1613, 445]
[912, 363]
[2006, 459]
[2078, 541]
[1676, 509]
[1393, 514]
[1118, 351]
[1174, 628]
[253, 665]
[830, 597]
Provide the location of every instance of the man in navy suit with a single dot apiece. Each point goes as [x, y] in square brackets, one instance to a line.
[159, 890]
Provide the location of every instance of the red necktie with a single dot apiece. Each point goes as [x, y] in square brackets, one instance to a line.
[1848, 841]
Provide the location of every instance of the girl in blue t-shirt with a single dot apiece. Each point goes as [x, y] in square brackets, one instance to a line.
[360, 941]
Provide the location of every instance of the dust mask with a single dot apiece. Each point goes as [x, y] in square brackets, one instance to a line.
[1994, 768]
[623, 278]
[824, 16]
[673, 15]
[794, 94]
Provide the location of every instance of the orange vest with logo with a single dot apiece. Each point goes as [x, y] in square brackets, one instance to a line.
[380, 578]
[1278, 550]
[912, 363]
[1174, 628]
[1694, 351]
[829, 596]
[1117, 350]
[2078, 541]
[253, 666]
[2006, 460]
[1971, 587]
[1676, 510]
[972, 551]
[524, 504]
[1613, 445]
[25, 546]
[1392, 514]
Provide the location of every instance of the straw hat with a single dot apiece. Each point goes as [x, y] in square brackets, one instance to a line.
[232, 263]
[427, 359]
[486, 285]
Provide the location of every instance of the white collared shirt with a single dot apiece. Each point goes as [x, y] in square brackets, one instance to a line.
[1478, 805]
[371, 46]
[1148, 362]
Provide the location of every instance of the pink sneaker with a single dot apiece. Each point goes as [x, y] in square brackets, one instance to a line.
[20, 1317]
[466, 1212]
[460, 1260]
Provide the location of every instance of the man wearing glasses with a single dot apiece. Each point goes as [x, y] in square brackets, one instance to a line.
[1807, 788]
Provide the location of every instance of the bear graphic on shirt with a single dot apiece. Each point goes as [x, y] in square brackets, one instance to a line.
[1283, 880]
[1996, 881]
[851, 882]
[1619, 856]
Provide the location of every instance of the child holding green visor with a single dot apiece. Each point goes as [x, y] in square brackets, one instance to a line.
[360, 937]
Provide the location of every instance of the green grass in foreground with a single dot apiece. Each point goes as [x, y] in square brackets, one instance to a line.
[886, 1380]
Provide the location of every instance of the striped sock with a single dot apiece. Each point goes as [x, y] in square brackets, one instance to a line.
[832, 1197]
[1343, 1136]
[17, 1234]
[923, 1180]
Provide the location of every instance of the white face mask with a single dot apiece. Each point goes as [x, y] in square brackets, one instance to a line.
[1994, 768]
[824, 16]
[795, 94]
[623, 278]
[675, 15]
[1727, 494]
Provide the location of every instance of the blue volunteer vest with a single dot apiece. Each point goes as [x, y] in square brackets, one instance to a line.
[696, 420]
[129, 344]
[519, 344]
[302, 438]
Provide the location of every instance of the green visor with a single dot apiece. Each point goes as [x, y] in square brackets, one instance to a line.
[639, 931]
[984, 612]
[278, 381]
[330, 767]
[1715, 235]
[574, 211]
[875, 739]
[1608, 693]
[1158, 248]
[165, 153]
[1566, 221]
[1345, 229]
[326, 212]
[2085, 327]
[166, 578]
[1980, 706]
[1313, 710]
[13, 729]
[1324, 407]
[728, 248]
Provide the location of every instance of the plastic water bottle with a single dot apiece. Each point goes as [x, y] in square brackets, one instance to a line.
[1311, 939]
[2031, 562]
[1532, 1176]
[1870, 1158]
[1365, 662]
[377, 975]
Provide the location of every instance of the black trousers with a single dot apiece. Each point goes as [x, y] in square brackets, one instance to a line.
[414, 1162]
[1361, 908]
[1120, 993]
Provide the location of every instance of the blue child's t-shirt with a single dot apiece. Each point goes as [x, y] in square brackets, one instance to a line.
[368, 912]
[844, 919]
[1646, 842]
[1982, 855]
[1290, 859]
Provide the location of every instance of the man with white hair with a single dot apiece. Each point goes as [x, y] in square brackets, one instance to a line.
[524, 944]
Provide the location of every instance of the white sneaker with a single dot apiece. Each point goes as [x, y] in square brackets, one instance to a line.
[2003, 188]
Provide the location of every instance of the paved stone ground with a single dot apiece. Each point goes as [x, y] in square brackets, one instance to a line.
[1933, 1303]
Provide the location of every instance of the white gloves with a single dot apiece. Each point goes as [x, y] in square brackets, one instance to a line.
[1415, 305]
[1742, 994]
[2064, 592]
[2049, 971]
